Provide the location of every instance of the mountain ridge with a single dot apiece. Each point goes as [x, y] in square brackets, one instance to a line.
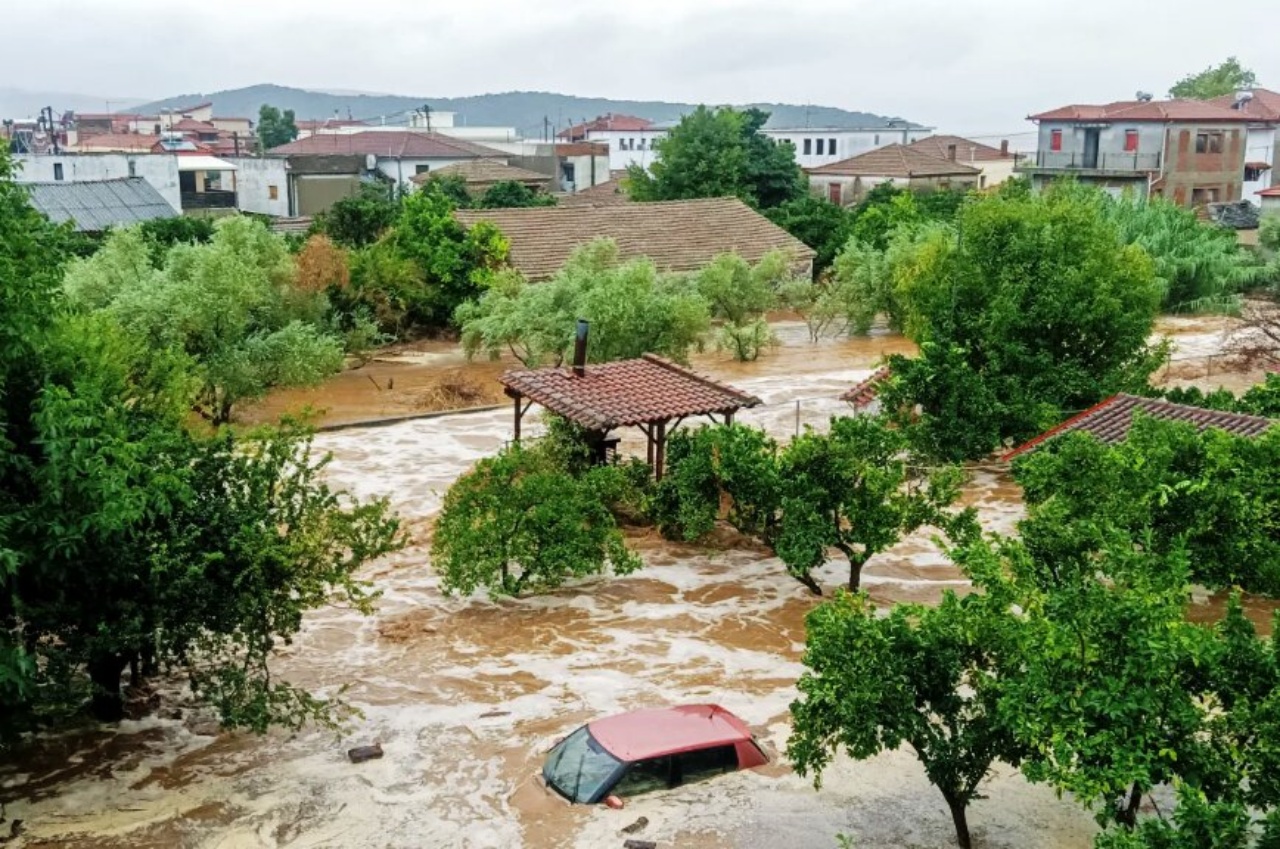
[531, 112]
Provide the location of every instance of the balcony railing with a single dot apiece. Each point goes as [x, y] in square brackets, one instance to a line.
[1115, 163]
[212, 199]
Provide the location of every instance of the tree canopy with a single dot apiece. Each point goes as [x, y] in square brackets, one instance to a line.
[720, 153]
[276, 128]
[1227, 77]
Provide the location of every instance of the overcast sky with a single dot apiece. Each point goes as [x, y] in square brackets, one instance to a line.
[971, 66]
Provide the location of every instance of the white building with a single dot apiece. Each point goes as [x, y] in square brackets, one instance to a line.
[399, 154]
[630, 139]
[1262, 141]
[996, 164]
[818, 146]
[188, 183]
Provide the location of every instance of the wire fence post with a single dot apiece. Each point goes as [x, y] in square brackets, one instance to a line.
[797, 417]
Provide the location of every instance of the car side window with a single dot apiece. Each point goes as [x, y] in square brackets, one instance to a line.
[705, 763]
[647, 776]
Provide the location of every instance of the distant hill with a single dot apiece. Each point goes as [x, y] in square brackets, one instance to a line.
[524, 110]
[21, 103]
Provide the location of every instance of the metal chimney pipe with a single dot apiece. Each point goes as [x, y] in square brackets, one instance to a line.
[580, 349]
[1004, 147]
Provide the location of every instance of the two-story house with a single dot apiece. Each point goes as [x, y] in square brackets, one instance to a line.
[1262, 150]
[630, 139]
[1191, 152]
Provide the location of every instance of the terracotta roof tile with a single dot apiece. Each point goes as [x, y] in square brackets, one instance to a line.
[1263, 106]
[966, 149]
[1110, 420]
[626, 392]
[602, 193]
[1150, 110]
[864, 393]
[895, 160]
[680, 235]
[1273, 192]
[118, 141]
[392, 143]
[484, 171]
[606, 122]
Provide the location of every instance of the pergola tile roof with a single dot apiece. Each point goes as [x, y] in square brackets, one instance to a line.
[862, 394]
[1110, 420]
[626, 392]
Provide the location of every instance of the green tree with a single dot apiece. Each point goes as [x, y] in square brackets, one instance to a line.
[360, 219]
[632, 308]
[276, 128]
[161, 234]
[1033, 311]
[819, 223]
[520, 522]
[720, 153]
[1227, 78]
[1215, 494]
[231, 306]
[455, 262]
[921, 676]
[510, 193]
[739, 295]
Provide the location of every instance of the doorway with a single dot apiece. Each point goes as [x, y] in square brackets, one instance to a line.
[1091, 140]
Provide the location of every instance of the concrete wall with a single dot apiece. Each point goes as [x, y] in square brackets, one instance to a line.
[1111, 153]
[1270, 205]
[401, 171]
[848, 143]
[254, 180]
[853, 189]
[158, 169]
[628, 146]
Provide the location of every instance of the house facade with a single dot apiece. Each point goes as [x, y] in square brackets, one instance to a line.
[1262, 147]
[398, 155]
[193, 184]
[1191, 152]
[630, 140]
[818, 146]
[995, 164]
[848, 181]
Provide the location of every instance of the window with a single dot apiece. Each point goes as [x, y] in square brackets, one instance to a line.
[273, 192]
[631, 144]
[1055, 140]
[831, 147]
[982, 181]
[1209, 142]
[818, 147]
[706, 763]
[421, 169]
[835, 193]
[648, 776]
[808, 146]
[1130, 141]
[57, 170]
[1202, 195]
[1253, 171]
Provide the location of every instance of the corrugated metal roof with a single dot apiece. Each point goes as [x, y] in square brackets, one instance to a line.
[96, 205]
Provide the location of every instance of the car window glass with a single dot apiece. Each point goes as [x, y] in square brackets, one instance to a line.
[704, 763]
[578, 767]
[645, 777]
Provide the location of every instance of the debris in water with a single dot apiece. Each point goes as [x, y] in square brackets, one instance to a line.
[360, 754]
[638, 825]
[491, 714]
[639, 844]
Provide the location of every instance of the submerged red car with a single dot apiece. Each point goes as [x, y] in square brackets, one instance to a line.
[647, 750]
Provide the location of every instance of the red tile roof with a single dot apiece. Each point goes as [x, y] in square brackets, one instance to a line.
[610, 121]
[866, 392]
[118, 141]
[394, 143]
[677, 235]
[626, 392]
[895, 160]
[582, 148]
[1151, 110]
[1110, 420]
[190, 125]
[966, 150]
[1263, 106]
[1273, 192]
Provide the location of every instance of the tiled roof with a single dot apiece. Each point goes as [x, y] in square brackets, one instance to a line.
[291, 225]
[678, 235]
[582, 148]
[98, 204]
[392, 143]
[895, 160]
[1263, 106]
[607, 122]
[1150, 110]
[190, 125]
[966, 150]
[865, 392]
[626, 392]
[1110, 421]
[1273, 192]
[610, 192]
[118, 141]
[484, 171]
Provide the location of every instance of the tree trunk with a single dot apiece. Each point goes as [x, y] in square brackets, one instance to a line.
[1128, 813]
[855, 574]
[809, 582]
[104, 672]
[959, 816]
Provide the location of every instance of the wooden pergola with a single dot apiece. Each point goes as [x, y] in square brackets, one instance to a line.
[651, 393]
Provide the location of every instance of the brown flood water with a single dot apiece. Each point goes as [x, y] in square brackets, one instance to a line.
[466, 694]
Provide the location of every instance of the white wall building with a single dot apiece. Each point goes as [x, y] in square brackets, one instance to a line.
[818, 146]
[160, 170]
[262, 184]
[629, 147]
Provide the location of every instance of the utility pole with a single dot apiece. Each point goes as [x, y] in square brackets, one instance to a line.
[426, 111]
[546, 128]
[235, 137]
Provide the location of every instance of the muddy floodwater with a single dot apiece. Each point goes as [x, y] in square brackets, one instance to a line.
[465, 695]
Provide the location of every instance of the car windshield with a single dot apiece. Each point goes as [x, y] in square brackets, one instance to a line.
[578, 767]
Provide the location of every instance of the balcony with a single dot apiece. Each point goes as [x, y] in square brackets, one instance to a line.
[211, 199]
[1098, 164]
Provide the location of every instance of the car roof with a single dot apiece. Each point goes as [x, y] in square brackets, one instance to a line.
[656, 732]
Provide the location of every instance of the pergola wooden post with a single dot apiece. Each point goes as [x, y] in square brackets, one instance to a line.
[650, 393]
